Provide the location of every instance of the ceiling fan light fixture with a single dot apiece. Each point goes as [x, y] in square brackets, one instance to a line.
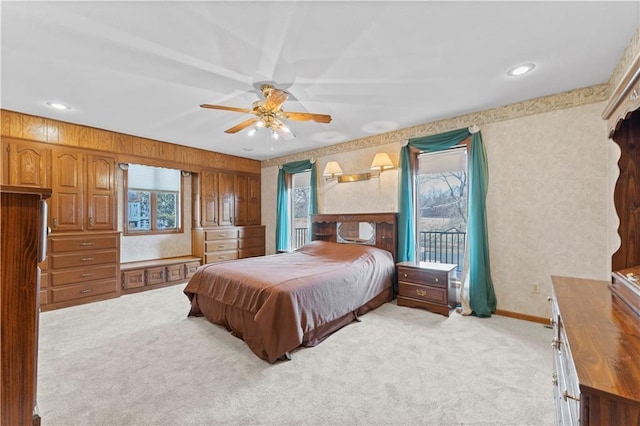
[259, 123]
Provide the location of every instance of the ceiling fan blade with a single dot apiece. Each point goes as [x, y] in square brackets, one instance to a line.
[241, 126]
[226, 108]
[306, 116]
[275, 99]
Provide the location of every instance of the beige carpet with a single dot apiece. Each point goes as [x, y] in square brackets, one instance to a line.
[138, 360]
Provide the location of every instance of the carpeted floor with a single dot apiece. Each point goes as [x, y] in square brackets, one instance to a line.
[138, 360]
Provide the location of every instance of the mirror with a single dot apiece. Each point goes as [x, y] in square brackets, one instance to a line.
[356, 232]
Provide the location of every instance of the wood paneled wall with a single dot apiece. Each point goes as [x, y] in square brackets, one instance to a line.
[127, 147]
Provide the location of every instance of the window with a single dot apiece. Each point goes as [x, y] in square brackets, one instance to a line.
[300, 193]
[154, 199]
[442, 182]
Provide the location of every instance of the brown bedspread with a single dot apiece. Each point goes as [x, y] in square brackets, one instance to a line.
[279, 302]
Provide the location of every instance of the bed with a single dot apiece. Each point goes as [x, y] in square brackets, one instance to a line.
[280, 302]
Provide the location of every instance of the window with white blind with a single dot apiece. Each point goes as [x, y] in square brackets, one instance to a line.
[154, 199]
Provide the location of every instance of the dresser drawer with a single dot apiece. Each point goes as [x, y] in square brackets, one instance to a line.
[221, 256]
[133, 279]
[81, 291]
[251, 252]
[175, 272]
[87, 258]
[420, 292]
[44, 297]
[222, 245]
[251, 242]
[423, 276]
[190, 269]
[221, 234]
[251, 232]
[66, 244]
[156, 275]
[80, 275]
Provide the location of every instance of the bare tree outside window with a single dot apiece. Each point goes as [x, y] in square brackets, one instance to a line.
[442, 207]
[300, 193]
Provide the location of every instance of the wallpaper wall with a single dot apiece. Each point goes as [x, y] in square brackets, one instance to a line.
[549, 203]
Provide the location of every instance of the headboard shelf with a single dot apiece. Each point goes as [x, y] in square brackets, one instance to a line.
[325, 227]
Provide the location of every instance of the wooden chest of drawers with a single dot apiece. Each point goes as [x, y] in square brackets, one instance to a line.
[83, 267]
[426, 285]
[251, 241]
[227, 243]
[595, 354]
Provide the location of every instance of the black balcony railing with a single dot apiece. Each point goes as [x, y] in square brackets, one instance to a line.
[433, 246]
[442, 246]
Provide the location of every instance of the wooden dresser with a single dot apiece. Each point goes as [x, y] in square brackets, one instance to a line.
[218, 244]
[596, 353]
[426, 285]
[23, 231]
[83, 267]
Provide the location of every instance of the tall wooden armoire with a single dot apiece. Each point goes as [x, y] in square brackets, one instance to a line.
[23, 235]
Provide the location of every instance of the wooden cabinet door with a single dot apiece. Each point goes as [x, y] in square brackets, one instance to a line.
[254, 216]
[101, 193]
[209, 198]
[242, 200]
[28, 165]
[226, 197]
[67, 207]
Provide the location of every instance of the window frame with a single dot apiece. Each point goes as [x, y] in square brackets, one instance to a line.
[414, 168]
[290, 195]
[179, 229]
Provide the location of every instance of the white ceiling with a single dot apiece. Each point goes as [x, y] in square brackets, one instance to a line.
[143, 68]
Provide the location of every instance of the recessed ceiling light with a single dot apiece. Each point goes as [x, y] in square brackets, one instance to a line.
[58, 105]
[520, 70]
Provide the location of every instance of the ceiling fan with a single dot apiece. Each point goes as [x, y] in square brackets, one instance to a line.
[269, 114]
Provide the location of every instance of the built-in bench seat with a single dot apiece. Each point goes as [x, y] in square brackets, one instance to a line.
[156, 273]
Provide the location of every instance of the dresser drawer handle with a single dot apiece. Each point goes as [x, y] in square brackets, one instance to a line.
[86, 259]
[421, 292]
[221, 235]
[565, 396]
[86, 275]
[85, 291]
[221, 246]
[86, 244]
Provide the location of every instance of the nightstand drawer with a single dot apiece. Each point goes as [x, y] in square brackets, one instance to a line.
[422, 276]
[421, 292]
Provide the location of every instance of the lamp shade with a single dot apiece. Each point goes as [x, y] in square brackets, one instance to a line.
[332, 169]
[381, 162]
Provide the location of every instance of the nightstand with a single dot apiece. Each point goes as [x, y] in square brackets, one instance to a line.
[426, 285]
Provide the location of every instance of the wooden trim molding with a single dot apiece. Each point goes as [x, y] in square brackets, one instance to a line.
[127, 147]
[559, 101]
[517, 315]
[624, 99]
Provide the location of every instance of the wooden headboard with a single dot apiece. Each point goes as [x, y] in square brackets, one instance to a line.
[324, 227]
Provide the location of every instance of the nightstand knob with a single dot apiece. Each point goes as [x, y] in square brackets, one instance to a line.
[404, 275]
[437, 280]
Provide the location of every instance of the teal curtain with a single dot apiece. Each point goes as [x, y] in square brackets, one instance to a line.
[482, 298]
[282, 203]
